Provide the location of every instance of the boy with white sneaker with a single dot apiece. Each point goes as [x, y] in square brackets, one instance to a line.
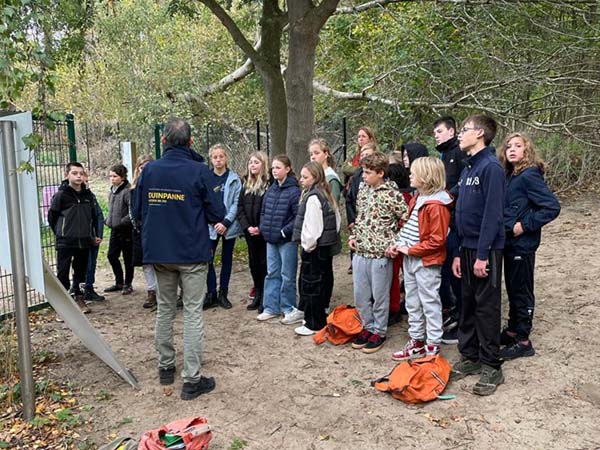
[380, 206]
[422, 241]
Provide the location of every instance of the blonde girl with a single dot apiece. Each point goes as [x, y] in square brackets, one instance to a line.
[227, 184]
[320, 152]
[256, 183]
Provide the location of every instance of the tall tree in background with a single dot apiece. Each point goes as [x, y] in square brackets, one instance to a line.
[289, 97]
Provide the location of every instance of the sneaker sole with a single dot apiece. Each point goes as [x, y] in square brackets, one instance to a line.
[358, 346]
[266, 318]
[285, 322]
[395, 358]
[372, 350]
[487, 389]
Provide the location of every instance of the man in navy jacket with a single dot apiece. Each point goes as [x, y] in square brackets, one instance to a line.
[175, 207]
[480, 226]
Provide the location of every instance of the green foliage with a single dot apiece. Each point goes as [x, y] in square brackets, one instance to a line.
[237, 444]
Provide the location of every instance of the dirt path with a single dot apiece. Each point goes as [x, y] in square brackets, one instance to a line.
[276, 390]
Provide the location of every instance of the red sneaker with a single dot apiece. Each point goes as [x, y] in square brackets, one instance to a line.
[252, 293]
[412, 350]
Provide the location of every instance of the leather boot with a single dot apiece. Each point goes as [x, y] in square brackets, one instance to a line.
[210, 300]
[81, 303]
[150, 300]
[256, 301]
[222, 300]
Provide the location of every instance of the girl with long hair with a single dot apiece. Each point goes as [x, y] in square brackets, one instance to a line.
[256, 183]
[316, 229]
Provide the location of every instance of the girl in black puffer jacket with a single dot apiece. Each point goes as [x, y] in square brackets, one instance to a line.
[256, 182]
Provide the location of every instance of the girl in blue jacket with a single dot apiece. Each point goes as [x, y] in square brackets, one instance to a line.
[528, 206]
[227, 184]
[278, 212]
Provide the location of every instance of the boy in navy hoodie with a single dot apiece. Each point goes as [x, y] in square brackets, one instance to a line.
[479, 221]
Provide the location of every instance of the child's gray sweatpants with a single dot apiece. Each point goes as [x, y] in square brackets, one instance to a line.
[372, 279]
[422, 288]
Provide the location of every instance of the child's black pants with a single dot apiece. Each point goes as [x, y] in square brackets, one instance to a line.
[316, 286]
[78, 258]
[518, 276]
[257, 260]
[121, 241]
[479, 323]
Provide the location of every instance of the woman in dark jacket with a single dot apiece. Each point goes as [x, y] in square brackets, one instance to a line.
[256, 182]
[121, 236]
[528, 206]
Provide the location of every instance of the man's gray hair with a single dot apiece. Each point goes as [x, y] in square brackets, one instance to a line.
[177, 132]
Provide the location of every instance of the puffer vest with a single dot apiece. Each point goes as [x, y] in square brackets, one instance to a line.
[330, 234]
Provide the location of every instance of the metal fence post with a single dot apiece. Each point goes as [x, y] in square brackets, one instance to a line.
[207, 137]
[344, 138]
[17, 258]
[70, 119]
[268, 143]
[157, 141]
[258, 135]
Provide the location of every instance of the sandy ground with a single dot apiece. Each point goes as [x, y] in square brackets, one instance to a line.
[276, 390]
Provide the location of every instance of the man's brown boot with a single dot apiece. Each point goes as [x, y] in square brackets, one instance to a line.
[150, 300]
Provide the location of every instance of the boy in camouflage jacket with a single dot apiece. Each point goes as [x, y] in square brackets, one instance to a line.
[380, 206]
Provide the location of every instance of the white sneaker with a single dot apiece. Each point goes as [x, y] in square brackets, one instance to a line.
[294, 316]
[266, 316]
[303, 331]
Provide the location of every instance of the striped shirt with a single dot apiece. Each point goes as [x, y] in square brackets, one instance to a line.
[409, 234]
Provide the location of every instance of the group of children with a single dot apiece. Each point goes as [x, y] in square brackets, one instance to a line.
[448, 222]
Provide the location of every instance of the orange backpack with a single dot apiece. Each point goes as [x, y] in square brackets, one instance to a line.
[417, 381]
[192, 432]
[343, 325]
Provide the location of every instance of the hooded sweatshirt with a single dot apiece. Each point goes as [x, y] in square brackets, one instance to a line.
[415, 150]
[426, 230]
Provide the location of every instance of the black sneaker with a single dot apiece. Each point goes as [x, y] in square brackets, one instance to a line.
[114, 288]
[166, 376]
[450, 337]
[449, 323]
[210, 300]
[179, 304]
[91, 295]
[375, 343]
[507, 339]
[362, 339]
[190, 391]
[517, 350]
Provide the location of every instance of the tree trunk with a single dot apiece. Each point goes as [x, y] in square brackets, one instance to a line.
[276, 111]
[306, 21]
[299, 77]
[271, 27]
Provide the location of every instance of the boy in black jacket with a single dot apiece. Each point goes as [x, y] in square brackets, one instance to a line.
[480, 225]
[446, 140]
[72, 217]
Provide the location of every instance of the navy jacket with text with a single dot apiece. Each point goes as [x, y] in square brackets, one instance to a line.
[175, 206]
[531, 202]
[480, 204]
